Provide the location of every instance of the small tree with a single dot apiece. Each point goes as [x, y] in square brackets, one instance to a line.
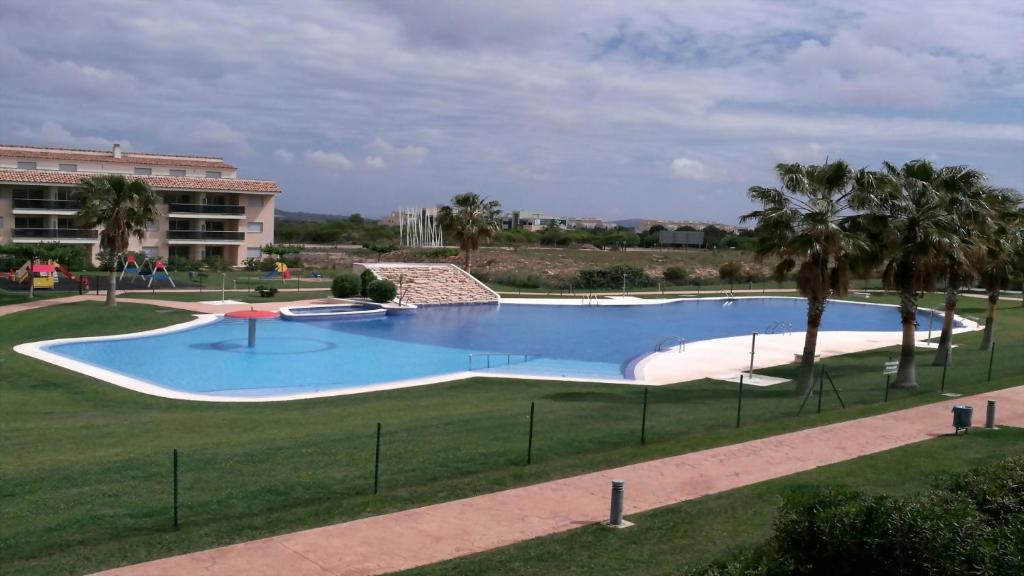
[730, 272]
[382, 291]
[345, 285]
[381, 249]
[123, 207]
[675, 274]
[364, 281]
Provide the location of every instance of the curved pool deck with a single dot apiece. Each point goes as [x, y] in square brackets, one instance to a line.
[433, 349]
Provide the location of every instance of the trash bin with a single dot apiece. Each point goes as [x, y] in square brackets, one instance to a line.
[962, 418]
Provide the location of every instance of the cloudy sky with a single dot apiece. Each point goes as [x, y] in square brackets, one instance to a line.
[613, 109]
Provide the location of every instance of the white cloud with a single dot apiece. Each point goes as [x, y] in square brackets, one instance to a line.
[689, 169]
[375, 162]
[408, 154]
[331, 160]
[51, 133]
[284, 156]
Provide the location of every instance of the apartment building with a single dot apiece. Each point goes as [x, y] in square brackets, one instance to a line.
[205, 209]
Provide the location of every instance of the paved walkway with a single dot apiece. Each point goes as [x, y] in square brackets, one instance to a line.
[431, 534]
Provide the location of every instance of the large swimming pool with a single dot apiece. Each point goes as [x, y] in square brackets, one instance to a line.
[295, 357]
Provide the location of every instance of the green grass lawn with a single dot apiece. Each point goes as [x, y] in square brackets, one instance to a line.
[282, 295]
[685, 536]
[85, 465]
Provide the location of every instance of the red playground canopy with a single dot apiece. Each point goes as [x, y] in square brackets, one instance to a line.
[260, 314]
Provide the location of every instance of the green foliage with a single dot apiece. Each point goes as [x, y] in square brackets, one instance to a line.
[381, 249]
[613, 277]
[364, 281]
[345, 285]
[352, 230]
[513, 279]
[436, 253]
[70, 256]
[281, 251]
[730, 271]
[675, 274]
[973, 524]
[382, 291]
[251, 264]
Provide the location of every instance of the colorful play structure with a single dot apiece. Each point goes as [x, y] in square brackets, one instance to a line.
[44, 274]
[280, 271]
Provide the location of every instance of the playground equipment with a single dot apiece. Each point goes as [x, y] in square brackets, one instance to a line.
[159, 272]
[280, 271]
[42, 275]
[82, 280]
[129, 266]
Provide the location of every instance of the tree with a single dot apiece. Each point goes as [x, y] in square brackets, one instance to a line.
[730, 272]
[381, 249]
[805, 224]
[963, 194]
[123, 207]
[999, 257]
[906, 215]
[471, 218]
[280, 251]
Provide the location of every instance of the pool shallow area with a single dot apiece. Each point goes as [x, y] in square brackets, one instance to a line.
[212, 359]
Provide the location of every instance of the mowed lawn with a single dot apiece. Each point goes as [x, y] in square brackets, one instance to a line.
[85, 467]
[679, 538]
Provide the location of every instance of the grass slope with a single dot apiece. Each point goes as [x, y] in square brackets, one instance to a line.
[85, 466]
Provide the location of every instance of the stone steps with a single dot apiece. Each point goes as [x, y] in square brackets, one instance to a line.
[433, 284]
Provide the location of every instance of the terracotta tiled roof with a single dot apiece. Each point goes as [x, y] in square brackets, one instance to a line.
[18, 151]
[157, 182]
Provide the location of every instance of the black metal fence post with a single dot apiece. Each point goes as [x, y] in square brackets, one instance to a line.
[821, 386]
[529, 445]
[991, 358]
[739, 402]
[174, 486]
[376, 464]
[643, 420]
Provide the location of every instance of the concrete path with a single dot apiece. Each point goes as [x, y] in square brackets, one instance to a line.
[431, 534]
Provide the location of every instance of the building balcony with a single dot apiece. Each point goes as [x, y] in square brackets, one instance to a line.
[177, 210]
[40, 206]
[67, 235]
[204, 237]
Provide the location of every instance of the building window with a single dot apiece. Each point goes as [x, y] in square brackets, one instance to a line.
[143, 171]
[68, 167]
[177, 172]
[151, 251]
[1, 222]
[26, 165]
[256, 202]
[254, 227]
[213, 173]
[153, 226]
[253, 252]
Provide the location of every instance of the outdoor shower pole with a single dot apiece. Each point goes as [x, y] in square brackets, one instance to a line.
[223, 278]
[753, 342]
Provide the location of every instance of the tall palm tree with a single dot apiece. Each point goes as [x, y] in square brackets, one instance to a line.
[908, 218]
[804, 224]
[963, 192]
[123, 207]
[998, 258]
[471, 218]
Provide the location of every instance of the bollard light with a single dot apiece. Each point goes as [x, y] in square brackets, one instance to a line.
[990, 415]
[615, 518]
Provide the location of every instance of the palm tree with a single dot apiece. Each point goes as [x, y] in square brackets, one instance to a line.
[804, 224]
[908, 218]
[964, 194]
[123, 207]
[1002, 252]
[471, 218]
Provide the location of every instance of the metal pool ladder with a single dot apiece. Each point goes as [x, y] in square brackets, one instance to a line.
[671, 342]
[591, 300]
[488, 355]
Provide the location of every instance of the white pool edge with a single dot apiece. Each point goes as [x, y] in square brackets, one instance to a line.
[38, 351]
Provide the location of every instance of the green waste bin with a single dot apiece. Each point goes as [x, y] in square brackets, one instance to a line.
[962, 415]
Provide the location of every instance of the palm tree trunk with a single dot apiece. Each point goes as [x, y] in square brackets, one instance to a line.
[469, 261]
[946, 338]
[112, 287]
[815, 310]
[906, 376]
[990, 321]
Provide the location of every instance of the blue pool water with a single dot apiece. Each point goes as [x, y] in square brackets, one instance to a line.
[575, 341]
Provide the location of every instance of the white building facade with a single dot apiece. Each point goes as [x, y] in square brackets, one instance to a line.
[205, 210]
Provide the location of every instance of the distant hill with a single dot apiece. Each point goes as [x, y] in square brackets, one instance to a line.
[310, 216]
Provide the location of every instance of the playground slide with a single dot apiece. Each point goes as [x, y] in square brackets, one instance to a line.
[67, 273]
[22, 273]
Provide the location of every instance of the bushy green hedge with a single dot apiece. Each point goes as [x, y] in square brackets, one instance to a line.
[345, 285]
[971, 524]
[382, 291]
[612, 277]
[513, 279]
[675, 274]
[364, 281]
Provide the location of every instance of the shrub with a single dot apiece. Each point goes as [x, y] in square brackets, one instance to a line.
[675, 274]
[436, 253]
[612, 277]
[382, 291]
[364, 281]
[730, 272]
[345, 285]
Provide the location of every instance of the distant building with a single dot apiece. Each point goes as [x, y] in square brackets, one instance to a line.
[532, 221]
[587, 223]
[681, 238]
[205, 209]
